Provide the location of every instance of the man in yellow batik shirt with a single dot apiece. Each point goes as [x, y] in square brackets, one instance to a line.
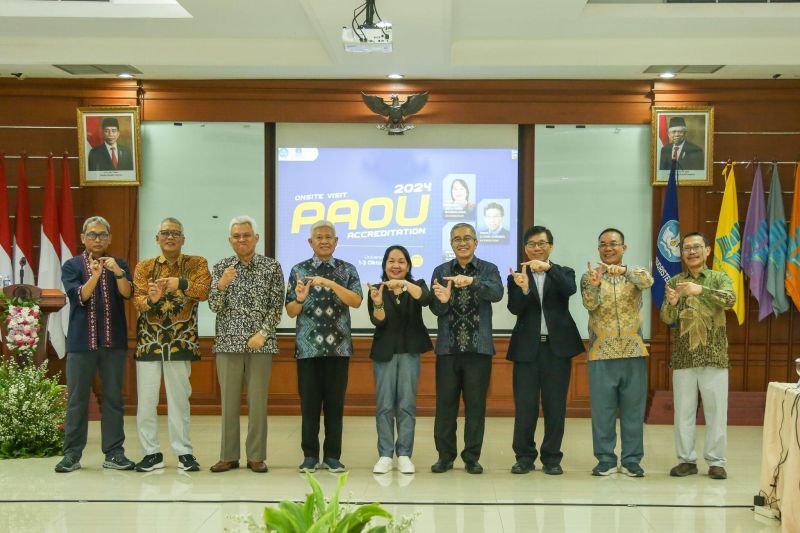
[617, 357]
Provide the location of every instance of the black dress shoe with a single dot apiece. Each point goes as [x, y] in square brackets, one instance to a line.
[552, 470]
[522, 467]
[473, 468]
[440, 467]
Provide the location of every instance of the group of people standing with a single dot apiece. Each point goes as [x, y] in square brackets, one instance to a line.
[246, 291]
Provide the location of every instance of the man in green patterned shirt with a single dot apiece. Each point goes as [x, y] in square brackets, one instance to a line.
[617, 355]
[695, 305]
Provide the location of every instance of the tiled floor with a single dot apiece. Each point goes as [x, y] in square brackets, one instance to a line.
[35, 499]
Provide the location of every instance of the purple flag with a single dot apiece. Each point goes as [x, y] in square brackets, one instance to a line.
[755, 247]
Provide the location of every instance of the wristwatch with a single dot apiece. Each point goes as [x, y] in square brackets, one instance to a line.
[405, 285]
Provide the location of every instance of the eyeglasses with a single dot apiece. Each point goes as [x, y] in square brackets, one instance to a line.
[170, 233]
[605, 245]
[92, 236]
[537, 244]
[465, 239]
[241, 236]
[693, 248]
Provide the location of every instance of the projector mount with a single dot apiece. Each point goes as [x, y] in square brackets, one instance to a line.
[367, 35]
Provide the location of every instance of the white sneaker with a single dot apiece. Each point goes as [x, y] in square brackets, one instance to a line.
[383, 466]
[404, 464]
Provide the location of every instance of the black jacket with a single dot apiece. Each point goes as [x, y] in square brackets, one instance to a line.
[391, 329]
[564, 338]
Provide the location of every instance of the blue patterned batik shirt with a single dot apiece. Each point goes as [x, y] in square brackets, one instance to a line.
[323, 326]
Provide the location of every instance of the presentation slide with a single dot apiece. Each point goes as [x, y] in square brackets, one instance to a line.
[377, 197]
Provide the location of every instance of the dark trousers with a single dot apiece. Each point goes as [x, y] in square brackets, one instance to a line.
[465, 374]
[81, 370]
[322, 382]
[547, 378]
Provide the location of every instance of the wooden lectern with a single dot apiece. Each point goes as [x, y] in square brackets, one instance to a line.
[50, 301]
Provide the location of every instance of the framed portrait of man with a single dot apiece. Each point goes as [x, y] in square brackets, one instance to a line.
[109, 146]
[683, 137]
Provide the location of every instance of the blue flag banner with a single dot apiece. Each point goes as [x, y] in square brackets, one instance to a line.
[668, 242]
[778, 244]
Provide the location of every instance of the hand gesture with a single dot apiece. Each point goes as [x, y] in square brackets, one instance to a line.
[672, 295]
[256, 341]
[520, 278]
[441, 292]
[155, 291]
[459, 281]
[110, 264]
[687, 288]
[615, 270]
[170, 284]
[395, 284]
[595, 276]
[228, 275]
[376, 293]
[537, 266]
[301, 289]
[319, 281]
[96, 266]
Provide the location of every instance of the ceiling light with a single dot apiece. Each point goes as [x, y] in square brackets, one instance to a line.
[395, 76]
[667, 75]
[125, 75]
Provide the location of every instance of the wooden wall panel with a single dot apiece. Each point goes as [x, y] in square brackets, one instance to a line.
[769, 111]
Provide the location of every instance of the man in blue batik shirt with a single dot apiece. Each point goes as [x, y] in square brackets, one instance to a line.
[320, 293]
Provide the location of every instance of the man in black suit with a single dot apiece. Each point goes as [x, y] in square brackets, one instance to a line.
[110, 155]
[688, 154]
[543, 342]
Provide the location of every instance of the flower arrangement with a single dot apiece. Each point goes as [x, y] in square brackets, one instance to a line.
[23, 325]
[33, 406]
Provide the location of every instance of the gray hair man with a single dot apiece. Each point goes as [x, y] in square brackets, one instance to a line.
[97, 286]
[464, 289]
[320, 293]
[247, 296]
[167, 290]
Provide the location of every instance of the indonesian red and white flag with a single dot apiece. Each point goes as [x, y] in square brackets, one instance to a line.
[66, 227]
[49, 261]
[6, 244]
[23, 241]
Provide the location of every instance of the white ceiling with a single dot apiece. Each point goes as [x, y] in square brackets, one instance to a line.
[433, 39]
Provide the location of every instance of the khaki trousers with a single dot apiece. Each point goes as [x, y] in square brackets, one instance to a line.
[234, 370]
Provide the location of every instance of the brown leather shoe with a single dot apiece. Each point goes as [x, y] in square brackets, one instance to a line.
[717, 472]
[258, 466]
[224, 466]
[683, 470]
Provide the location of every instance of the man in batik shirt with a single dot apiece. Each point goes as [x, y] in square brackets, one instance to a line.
[167, 290]
[320, 293]
[695, 303]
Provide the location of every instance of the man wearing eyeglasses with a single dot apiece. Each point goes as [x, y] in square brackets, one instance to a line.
[464, 288]
[320, 293]
[695, 303]
[617, 356]
[543, 343]
[167, 290]
[247, 296]
[97, 286]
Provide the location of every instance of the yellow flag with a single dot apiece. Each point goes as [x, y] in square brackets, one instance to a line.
[728, 242]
